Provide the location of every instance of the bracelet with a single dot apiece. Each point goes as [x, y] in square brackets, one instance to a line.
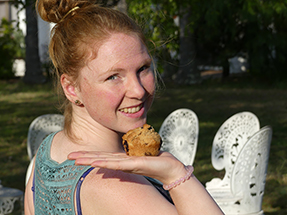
[181, 180]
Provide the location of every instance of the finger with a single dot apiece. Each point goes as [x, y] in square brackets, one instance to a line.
[75, 155]
[90, 160]
[126, 165]
[92, 154]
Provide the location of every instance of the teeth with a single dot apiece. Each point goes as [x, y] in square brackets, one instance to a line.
[131, 110]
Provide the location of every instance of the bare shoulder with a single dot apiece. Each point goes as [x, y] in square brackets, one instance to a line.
[116, 192]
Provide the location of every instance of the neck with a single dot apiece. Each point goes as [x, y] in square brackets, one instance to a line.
[95, 136]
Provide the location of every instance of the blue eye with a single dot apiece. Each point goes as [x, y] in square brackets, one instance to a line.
[143, 68]
[112, 77]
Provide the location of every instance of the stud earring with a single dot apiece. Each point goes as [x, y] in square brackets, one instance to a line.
[77, 102]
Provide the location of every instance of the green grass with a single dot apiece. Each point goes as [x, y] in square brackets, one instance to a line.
[213, 101]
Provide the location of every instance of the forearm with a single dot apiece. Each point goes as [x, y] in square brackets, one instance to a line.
[191, 197]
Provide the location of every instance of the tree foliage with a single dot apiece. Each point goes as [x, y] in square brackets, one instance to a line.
[157, 20]
[222, 29]
[256, 28]
[34, 69]
[11, 47]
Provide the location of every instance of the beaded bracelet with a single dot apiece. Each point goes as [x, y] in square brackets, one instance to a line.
[181, 180]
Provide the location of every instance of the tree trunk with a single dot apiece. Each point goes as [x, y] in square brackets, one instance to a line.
[226, 71]
[188, 72]
[170, 67]
[33, 73]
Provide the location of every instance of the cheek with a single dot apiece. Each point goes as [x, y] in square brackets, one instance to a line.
[103, 99]
[102, 105]
[109, 99]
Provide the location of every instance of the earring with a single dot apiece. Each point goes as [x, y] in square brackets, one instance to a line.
[77, 102]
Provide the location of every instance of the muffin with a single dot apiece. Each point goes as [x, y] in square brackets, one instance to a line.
[142, 141]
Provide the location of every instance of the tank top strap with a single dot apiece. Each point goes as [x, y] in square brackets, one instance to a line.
[78, 189]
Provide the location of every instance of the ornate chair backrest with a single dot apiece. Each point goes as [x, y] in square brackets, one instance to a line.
[250, 170]
[40, 128]
[179, 133]
[229, 139]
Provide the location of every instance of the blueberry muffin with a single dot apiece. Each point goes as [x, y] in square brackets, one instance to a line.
[142, 141]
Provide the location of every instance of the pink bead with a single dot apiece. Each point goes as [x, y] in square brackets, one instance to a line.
[181, 180]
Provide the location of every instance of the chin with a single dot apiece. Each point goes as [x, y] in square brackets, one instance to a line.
[133, 126]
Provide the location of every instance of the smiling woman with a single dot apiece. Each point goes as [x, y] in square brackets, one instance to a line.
[104, 70]
[116, 90]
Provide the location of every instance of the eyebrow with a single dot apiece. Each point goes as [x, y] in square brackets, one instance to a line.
[147, 60]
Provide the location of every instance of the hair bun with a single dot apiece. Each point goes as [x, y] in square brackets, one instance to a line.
[56, 10]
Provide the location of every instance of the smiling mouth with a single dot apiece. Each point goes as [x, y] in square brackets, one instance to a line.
[131, 110]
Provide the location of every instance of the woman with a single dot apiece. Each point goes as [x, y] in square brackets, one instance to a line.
[105, 73]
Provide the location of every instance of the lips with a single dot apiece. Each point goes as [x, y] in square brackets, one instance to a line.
[131, 109]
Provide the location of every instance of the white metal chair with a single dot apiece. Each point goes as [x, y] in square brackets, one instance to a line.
[39, 129]
[179, 133]
[227, 143]
[248, 177]
[8, 197]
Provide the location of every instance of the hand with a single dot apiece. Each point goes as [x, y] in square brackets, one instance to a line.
[164, 167]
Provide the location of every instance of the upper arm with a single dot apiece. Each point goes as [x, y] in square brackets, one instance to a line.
[29, 199]
[116, 192]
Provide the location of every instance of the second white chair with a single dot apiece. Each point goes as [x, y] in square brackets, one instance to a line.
[248, 177]
[179, 133]
[227, 143]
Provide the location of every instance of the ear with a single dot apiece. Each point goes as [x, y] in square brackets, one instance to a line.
[69, 88]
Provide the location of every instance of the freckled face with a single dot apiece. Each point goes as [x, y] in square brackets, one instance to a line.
[117, 87]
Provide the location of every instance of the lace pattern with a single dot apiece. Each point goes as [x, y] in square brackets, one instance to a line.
[179, 133]
[55, 183]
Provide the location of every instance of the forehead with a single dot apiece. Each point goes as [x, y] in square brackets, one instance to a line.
[120, 48]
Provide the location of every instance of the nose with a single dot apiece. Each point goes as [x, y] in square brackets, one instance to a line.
[135, 88]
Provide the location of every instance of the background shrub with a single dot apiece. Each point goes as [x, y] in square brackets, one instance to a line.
[11, 47]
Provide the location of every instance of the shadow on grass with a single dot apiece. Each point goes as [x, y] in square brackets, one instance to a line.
[212, 102]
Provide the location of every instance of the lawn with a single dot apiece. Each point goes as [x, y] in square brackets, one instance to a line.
[213, 101]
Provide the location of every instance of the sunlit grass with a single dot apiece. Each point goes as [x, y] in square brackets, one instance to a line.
[212, 101]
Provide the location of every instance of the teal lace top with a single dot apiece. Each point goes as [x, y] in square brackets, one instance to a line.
[54, 183]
